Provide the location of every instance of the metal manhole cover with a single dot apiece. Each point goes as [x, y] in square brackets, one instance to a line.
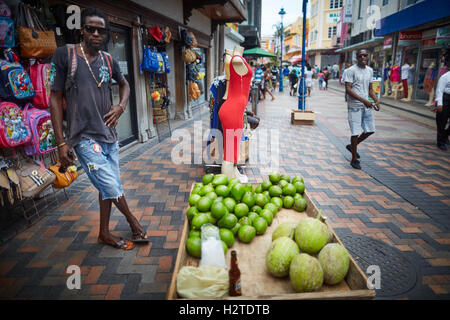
[398, 275]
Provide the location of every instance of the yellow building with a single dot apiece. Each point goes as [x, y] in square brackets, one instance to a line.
[292, 42]
[324, 15]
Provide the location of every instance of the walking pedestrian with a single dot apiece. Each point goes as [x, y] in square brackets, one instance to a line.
[293, 79]
[267, 82]
[326, 77]
[320, 77]
[443, 107]
[83, 75]
[358, 87]
[285, 74]
[308, 79]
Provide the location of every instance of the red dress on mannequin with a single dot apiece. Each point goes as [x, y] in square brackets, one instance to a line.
[231, 112]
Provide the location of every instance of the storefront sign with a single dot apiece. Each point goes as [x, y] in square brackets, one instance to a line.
[333, 17]
[348, 11]
[428, 42]
[443, 35]
[387, 44]
[407, 38]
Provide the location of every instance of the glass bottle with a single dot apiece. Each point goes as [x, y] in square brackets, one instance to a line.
[235, 276]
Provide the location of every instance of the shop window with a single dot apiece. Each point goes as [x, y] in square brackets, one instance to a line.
[201, 67]
[385, 2]
[331, 32]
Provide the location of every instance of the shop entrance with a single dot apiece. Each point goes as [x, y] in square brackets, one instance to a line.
[119, 47]
[429, 62]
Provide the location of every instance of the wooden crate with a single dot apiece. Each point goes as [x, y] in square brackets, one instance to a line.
[302, 117]
[258, 284]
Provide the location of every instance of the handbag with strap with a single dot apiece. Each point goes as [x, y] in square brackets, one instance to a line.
[33, 178]
[35, 41]
[65, 178]
[189, 56]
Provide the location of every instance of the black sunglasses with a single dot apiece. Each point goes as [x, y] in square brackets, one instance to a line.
[363, 55]
[92, 29]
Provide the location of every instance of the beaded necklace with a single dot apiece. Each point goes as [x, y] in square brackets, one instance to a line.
[99, 84]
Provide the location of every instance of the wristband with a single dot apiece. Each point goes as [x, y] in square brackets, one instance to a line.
[62, 144]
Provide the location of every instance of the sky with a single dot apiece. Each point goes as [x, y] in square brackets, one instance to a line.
[270, 16]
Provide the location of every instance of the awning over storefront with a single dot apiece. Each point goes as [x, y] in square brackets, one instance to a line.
[369, 43]
[296, 59]
[423, 12]
[258, 52]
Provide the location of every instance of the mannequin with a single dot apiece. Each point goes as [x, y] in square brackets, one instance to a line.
[430, 82]
[404, 76]
[228, 54]
[395, 81]
[232, 112]
[386, 79]
[410, 82]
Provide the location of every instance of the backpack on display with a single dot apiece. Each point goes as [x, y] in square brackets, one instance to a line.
[166, 62]
[42, 134]
[7, 39]
[40, 78]
[15, 84]
[150, 61]
[14, 129]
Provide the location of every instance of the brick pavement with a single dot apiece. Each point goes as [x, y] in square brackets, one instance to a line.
[374, 202]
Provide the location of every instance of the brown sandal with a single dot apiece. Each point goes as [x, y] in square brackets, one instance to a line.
[140, 237]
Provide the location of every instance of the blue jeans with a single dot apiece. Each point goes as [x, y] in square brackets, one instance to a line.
[100, 161]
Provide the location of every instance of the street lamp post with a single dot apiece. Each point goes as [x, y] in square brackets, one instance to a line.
[281, 13]
[301, 88]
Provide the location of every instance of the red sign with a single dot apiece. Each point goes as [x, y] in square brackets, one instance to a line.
[406, 38]
[387, 43]
[428, 42]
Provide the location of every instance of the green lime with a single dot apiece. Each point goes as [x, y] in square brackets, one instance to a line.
[267, 214]
[228, 221]
[267, 194]
[206, 189]
[300, 205]
[222, 191]
[225, 247]
[230, 203]
[227, 236]
[246, 233]
[212, 220]
[275, 191]
[297, 178]
[212, 195]
[220, 179]
[194, 246]
[218, 199]
[298, 196]
[241, 210]
[275, 177]
[288, 202]
[299, 186]
[283, 183]
[218, 210]
[289, 190]
[272, 207]
[249, 199]
[256, 209]
[204, 204]
[286, 178]
[277, 201]
[249, 188]
[258, 189]
[193, 199]
[197, 188]
[233, 181]
[261, 200]
[207, 178]
[260, 225]
[265, 185]
[236, 228]
[245, 221]
[195, 233]
[191, 212]
[237, 191]
[252, 216]
[199, 220]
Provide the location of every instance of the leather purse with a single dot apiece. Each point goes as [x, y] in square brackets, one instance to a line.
[33, 178]
[194, 40]
[194, 92]
[189, 56]
[63, 179]
[34, 40]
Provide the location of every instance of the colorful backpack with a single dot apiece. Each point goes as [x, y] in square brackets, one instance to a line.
[7, 39]
[166, 62]
[14, 129]
[15, 84]
[42, 134]
[150, 61]
[40, 78]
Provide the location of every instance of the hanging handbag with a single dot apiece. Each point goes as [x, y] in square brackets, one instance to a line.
[189, 56]
[35, 41]
[194, 40]
[33, 178]
[65, 178]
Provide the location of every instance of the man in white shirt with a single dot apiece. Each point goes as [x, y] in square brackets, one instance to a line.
[404, 76]
[358, 86]
[443, 106]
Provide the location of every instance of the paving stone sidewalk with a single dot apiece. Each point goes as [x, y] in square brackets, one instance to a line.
[375, 202]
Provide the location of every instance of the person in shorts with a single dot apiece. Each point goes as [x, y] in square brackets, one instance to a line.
[358, 87]
[83, 74]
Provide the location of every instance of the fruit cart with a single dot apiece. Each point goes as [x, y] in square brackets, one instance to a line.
[258, 283]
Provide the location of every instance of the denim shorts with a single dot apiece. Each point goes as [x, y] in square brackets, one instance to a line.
[360, 118]
[100, 161]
